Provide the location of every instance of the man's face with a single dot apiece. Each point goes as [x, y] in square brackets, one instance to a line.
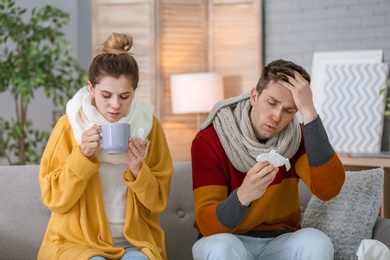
[272, 110]
[113, 97]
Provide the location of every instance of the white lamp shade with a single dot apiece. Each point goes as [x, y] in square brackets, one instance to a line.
[195, 92]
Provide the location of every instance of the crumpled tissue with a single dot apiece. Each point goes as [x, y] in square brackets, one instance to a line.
[371, 249]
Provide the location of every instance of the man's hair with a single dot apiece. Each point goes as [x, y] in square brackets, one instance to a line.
[277, 70]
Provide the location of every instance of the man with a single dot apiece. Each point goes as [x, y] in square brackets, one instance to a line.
[250, 210]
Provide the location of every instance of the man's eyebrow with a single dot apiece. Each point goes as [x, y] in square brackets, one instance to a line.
[292, 107]
[277, 101]
[274, 99]
[295, 108]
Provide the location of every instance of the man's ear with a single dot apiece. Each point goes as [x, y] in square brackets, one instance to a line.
[254, 96]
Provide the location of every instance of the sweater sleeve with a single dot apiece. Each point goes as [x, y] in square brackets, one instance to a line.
[64, 170]
[218, 209]
[320, 168]
[317, 145]
[230, 212]
[152, 185]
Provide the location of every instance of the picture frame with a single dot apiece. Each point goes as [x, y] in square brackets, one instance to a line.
[323, 59]
[346, 86]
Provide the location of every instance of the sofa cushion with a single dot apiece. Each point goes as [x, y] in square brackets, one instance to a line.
[23, 218]
[350, 217]
[178, 219]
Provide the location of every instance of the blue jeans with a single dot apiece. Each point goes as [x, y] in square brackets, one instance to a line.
[304, 244]
[132, 253]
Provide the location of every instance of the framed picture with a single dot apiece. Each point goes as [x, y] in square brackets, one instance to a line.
[346, 88]
[323, 59]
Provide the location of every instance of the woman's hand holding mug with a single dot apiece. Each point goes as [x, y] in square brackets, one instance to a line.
[90, 141]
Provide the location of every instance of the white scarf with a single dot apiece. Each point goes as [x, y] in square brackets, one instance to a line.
[82, 115]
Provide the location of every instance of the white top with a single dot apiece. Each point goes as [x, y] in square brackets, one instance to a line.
[114, 196]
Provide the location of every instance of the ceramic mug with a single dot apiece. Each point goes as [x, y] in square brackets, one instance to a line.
[115, 137]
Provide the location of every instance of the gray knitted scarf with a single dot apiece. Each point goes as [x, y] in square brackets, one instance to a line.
[231, 121]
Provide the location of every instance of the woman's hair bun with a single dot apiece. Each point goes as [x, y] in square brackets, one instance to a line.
[117, 43]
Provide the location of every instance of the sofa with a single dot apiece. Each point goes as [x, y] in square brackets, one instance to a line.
[23, 218]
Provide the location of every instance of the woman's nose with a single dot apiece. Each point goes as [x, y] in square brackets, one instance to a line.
[115, 103]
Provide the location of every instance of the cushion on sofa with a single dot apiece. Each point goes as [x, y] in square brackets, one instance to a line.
[178, 219]
[350, 217]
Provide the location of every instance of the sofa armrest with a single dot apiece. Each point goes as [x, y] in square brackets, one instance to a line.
[381, 231]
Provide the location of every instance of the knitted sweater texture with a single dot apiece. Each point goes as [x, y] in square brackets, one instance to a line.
[71, 189]
[277, 211]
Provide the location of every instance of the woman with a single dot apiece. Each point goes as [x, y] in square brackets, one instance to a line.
[106, 206]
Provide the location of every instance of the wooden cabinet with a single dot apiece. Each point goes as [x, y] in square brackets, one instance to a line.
[360, 163]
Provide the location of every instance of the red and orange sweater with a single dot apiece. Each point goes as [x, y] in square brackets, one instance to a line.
[215, 183]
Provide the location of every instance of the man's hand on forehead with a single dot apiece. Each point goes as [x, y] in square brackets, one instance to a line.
[302, 95]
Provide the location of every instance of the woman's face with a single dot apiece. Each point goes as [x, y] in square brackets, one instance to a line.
[113, 97]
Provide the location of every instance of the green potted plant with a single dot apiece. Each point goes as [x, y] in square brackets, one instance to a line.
[34, 54]
[387, 109]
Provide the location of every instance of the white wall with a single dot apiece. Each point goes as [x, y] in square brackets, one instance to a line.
[295, 29]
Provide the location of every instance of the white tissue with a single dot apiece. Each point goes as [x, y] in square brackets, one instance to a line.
[140, 133]
[275, 159]
[371, 249]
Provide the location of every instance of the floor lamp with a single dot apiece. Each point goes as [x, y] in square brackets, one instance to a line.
[195, 93]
